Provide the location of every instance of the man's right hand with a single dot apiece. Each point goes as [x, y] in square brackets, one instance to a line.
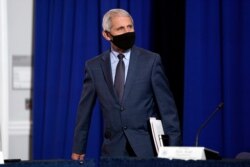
[75, 156]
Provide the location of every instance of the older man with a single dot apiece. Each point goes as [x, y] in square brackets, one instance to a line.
[131, 86]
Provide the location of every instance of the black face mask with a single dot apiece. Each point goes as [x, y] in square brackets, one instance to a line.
[124, 41]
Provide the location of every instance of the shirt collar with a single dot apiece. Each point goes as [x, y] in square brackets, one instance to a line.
[126, 54]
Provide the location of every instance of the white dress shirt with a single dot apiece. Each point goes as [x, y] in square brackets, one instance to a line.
[114, 61]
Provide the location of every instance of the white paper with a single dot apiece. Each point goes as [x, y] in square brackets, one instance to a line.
[182, 153]
[22, 77]
[157, 132]
[1, 157]
[22, 71]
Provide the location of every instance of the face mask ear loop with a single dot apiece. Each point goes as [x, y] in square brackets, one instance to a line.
[108, 33]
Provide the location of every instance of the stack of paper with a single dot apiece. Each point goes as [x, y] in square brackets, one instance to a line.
[157, 132]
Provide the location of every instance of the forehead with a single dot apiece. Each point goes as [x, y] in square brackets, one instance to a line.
[118, 21]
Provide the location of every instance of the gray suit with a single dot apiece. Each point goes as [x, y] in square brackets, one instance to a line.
[146, 94]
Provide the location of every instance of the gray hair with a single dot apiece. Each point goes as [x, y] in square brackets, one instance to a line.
[106, 21]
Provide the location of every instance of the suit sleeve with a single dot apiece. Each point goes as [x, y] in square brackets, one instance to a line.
[84, 111]
[165, 103]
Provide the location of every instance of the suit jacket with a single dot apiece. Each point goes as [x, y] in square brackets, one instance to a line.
[146, 94]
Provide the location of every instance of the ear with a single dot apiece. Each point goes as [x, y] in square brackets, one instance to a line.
[106, 35]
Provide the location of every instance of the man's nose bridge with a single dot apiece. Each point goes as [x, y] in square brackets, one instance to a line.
[126, 29]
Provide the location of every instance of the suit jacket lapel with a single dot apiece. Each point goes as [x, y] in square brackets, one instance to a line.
[106, 67]
[131, 72]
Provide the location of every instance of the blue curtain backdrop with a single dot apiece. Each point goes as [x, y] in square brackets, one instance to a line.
[66, 34]
[217, 65]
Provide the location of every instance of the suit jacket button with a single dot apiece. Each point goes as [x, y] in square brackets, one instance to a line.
[122, 108]
[125, 127]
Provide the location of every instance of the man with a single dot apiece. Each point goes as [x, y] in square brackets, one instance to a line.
[131, 87]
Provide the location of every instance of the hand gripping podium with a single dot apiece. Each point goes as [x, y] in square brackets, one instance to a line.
[183, 153]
